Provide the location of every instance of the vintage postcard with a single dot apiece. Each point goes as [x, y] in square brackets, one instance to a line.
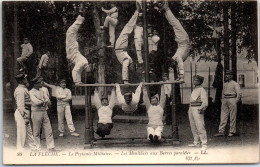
[130, 82]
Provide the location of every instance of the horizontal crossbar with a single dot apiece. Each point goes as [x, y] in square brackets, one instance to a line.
[122, 49]
[130, 84]
[138, 142]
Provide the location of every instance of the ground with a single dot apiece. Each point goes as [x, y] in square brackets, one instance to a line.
[247, 125]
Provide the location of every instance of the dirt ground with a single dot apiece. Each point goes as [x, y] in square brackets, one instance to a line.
[240, 149]
[247, 126]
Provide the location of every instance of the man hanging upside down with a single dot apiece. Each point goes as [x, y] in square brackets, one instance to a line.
[72, 49]
[155, 114]
[105, 110]
[129, 101]
[122, 44]
[181, 37]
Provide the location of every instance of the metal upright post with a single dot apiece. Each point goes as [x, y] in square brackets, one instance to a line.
[91, 128]
[146, 58]
[226, 36]
[175, 133]
[87, 143]
[165, 67]
[191, 84]
[209, 85]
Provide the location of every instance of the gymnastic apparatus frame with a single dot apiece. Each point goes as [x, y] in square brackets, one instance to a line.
[89, 128]
[89, 141]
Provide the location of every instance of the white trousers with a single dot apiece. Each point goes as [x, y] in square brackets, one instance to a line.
[24, 133]
[72, 49]
[80, 65]
[157, 130]
[182, 39]
[122, 44]
[111, 22]
[228, 108]
[64, 111]
[40, 119]
[197, 126]
[139, 42]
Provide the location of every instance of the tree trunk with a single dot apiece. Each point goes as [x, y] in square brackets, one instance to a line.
[226, 36]
[233, 41]
[16, 40]
[16, 48]
[100, 44]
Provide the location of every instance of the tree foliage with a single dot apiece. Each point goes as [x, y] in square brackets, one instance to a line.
[46, 22]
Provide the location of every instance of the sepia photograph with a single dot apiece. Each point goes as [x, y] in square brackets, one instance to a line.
[130, 82]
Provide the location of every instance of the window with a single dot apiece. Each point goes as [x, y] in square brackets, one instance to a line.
[241, 80]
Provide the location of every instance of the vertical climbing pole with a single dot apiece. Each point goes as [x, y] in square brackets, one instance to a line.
[87, 143]
[175, 133]
[146, 49]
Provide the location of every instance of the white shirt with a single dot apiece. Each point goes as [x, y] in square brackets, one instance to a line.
[37, 98]
[44, 61]
[232, 88]
[27, 50]
[46, 95]
[21, 95]
[105, 115]
[135, 99]
[63, 96]
[113, 12]
[155, 112]
[199, 95]
[155, 115]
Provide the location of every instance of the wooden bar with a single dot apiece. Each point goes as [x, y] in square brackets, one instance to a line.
[131, 84]
[175, 135]
[130, 142]
[124, 49]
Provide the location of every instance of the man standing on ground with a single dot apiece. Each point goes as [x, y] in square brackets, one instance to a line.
[40, 118]
[22, 114]
[230, 98]
[63, 96]
[198, 105]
